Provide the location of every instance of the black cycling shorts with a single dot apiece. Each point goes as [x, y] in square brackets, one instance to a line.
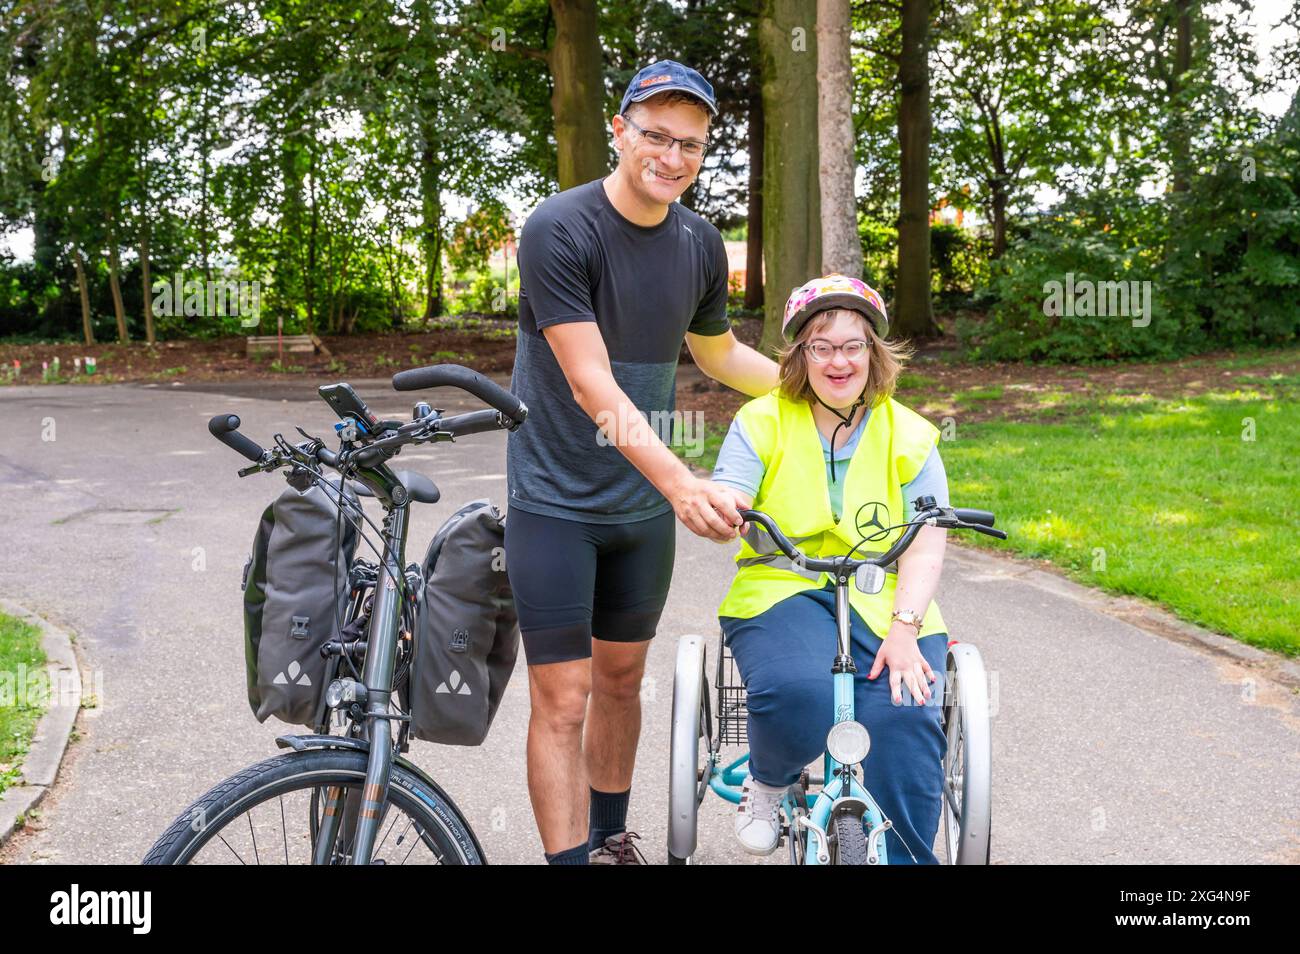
[573, 581]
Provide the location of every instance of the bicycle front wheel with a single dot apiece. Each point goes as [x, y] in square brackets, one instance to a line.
[269, 814]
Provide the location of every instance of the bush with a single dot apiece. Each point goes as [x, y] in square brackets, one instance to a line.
[1223, 260]
[879, 255]
[1234, 265]
[1032, 320]
[959, 260]
[485, 294]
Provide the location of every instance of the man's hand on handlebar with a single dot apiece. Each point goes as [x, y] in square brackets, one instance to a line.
[707, 509]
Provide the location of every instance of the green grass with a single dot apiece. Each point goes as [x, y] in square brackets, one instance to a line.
[24, 693]
[1162, 499]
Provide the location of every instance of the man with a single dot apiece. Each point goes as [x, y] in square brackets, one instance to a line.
[614, 274]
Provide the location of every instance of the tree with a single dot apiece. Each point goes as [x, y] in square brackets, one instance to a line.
[1024, 87]
[913, 312]
[841, 247]
[791, 196]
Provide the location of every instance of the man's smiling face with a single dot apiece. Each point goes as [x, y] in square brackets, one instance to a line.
[655, 175]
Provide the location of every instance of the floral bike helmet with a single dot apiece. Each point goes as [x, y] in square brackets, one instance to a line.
[833, 291]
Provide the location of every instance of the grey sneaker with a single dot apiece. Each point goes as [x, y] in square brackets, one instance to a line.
[758, 817]
[619, 849]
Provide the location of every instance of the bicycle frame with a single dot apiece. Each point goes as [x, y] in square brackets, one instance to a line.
[377, 677]
[841, 790]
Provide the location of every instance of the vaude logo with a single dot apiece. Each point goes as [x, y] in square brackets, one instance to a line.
[455, 681]
[296, 676]
[103, 907]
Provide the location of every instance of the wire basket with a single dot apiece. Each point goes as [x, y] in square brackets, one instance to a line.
[733, 712]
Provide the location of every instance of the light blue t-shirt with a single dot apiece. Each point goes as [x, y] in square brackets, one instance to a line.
[739, 466]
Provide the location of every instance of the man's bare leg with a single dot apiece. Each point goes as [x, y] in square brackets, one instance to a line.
[614, 713]
[557, 777]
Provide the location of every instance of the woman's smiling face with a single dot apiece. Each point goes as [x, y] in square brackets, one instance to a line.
[838, 380]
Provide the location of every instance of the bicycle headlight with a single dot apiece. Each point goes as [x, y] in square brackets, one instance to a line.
[848, 742]
[334, 694]
[342, 692]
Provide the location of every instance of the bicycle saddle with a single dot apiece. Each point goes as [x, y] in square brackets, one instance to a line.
[420, 487]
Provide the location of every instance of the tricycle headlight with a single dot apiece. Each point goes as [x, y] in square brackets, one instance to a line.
[848, 742]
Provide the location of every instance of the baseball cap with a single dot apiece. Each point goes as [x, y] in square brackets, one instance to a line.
[833, 291]
[665, 75]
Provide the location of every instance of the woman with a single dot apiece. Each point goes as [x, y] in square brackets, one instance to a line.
[832, 458]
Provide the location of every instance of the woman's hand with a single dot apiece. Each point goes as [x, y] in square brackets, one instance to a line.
[906, 664]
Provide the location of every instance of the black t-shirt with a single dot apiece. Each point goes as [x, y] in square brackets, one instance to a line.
[644, 287]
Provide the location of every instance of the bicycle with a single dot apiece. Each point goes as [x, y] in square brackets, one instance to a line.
[841, 824]
[343, 789]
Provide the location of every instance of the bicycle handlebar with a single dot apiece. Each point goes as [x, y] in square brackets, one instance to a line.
[982, 517]
[225, 428]
[507, 413]
[962, 519]
[453, 375]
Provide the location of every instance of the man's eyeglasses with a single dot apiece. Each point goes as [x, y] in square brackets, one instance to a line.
[662, 142]
[821, 351]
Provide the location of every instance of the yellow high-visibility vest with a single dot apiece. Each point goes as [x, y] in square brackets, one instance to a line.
[895, 443]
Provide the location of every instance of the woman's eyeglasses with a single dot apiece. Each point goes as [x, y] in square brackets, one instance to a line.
[821, 351]
[662, 142]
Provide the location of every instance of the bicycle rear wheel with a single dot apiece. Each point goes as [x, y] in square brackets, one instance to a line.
[967, 762]
[268, 813]
[690, 763]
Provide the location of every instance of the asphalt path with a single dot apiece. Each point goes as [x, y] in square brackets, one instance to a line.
[124, 522]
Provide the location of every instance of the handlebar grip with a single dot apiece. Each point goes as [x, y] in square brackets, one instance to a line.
[453, 375]
[768, 524]
[978, 517]
[225, 428]
[475, 422]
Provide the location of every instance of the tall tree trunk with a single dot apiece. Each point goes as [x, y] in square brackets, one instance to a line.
[998, 205]
[431, 232]
[791, 200]
[1180, 142]
[913, 311]
[204, 167]
[579, 93]
[148, 289]
[309, 279]
[841, 247]
[754, 218]
[87, 330]
[114, 268]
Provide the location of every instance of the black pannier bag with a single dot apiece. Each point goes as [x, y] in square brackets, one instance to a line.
[295, 597]
[467, 636]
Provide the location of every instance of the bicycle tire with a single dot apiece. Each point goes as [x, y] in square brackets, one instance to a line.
[850, 841]
[443, 829]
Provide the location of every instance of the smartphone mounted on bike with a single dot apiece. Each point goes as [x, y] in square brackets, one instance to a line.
[347, 404]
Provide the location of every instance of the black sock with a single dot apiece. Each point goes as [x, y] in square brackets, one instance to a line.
[608, 816]
[577, 855]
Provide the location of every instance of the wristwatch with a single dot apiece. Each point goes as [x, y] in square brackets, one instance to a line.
[910, 617]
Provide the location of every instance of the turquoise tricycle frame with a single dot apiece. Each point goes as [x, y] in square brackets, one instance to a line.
[809, 830]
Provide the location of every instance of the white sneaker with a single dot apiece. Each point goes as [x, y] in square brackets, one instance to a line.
[758, 824]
